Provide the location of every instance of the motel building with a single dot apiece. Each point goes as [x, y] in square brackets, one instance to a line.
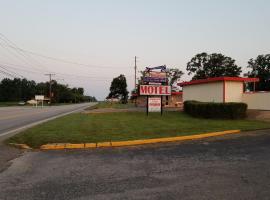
[175, 100]
[226, 89]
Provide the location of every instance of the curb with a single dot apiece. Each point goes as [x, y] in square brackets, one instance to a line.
[21, 146]
[61, 146]
[58, 146]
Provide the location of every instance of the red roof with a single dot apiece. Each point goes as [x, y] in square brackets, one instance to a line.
[173, 93]
[177, 93]
[217, 79]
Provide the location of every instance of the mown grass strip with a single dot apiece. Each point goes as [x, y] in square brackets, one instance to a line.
[92, 128]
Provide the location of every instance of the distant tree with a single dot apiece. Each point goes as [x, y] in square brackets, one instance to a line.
[260, 68]
[90, 99]
[205, 65]
[173, 75]
[80, 91]
[118, 89]
[23, 89]
[133, 93]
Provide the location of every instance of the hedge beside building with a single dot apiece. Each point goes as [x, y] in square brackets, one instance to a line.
[216, 110]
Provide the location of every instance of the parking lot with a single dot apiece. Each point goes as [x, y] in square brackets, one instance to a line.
[229, 167]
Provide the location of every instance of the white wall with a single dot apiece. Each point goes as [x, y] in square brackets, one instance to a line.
[233, 91]
[207, 92]
[257, 100]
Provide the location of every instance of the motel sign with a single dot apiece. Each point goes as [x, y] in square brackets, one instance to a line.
[155, 90]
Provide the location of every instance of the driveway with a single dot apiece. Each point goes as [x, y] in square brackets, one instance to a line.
[228, 167]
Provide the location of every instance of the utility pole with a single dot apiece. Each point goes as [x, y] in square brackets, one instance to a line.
[50, 78]
[135, 72]
[135, 81]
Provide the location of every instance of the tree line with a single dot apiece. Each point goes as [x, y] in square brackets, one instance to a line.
[202, 66]
[22, 90]
[205, 65]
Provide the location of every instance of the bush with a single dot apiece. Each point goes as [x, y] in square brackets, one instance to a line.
[216, 110]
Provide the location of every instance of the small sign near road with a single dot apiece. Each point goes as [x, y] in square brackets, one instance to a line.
[39, 97]
[154, 104]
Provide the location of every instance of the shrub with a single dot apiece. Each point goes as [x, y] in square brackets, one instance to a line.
[215, 110]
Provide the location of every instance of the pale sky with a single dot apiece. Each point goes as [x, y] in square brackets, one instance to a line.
[107, 34]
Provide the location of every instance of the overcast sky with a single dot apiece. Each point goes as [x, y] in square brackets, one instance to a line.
[105, 35]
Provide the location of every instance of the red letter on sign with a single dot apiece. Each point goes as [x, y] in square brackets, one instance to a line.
[160, 89]
[143, 89]
[166, 89]
[150, 89]
[156, 90]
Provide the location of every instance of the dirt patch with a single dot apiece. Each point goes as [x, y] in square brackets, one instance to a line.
[112, 110]
[259, 115]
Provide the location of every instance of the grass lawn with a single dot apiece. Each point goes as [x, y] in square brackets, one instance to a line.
[80, 128]
[101, 105]
[9, 103]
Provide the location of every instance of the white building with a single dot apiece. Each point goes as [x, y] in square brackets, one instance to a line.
[225, 89]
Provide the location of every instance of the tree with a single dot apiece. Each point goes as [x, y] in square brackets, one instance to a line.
[260, 68]
[173, 75]
[23, 89]
[214, 65]
[118, 89]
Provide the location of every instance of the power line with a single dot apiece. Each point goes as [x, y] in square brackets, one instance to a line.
[64, 61]
[11, 71]
[7, 74]
[22, 68]
[26, 56]
[27, 59]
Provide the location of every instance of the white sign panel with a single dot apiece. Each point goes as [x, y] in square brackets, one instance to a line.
[155, 90]
[39, 97]
[154, 104]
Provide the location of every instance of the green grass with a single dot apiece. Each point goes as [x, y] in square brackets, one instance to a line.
[9, 103]
[80, 128]
[101, 105]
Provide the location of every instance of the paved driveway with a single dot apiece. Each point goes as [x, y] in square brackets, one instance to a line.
[230, 167]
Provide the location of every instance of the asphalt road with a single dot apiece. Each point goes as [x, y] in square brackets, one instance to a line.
[12, 118]
[229, 167]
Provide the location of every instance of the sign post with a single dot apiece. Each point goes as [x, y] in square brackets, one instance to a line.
[154, 95]
[155, 87]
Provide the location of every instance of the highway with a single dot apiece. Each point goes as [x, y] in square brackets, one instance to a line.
[14, 119]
